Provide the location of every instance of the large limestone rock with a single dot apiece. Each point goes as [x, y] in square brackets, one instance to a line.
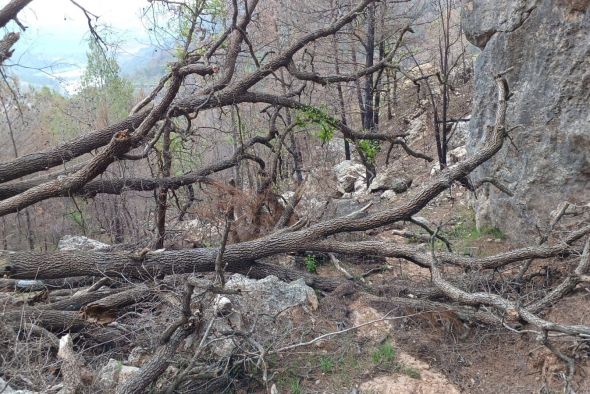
[270, 295]
[271, 304]
[79, 242]
[548, 44]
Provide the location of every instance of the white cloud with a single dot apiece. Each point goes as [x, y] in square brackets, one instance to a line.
[60, 23]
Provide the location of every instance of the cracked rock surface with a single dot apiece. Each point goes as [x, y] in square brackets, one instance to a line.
[548, 44]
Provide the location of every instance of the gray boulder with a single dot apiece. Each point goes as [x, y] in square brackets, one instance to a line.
[547, 42]
[388, 180]
[347, 174]
[78, 242]
[457, 154]
[271, 303]
[271, 295]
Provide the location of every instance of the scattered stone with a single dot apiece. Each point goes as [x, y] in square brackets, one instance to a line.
[274, 389]
[430, 382]
[457, 154]
[388, 195]
[342, 207]
[377, 332]
[271, 295]
[269, 301]
[400, 185]
[435, 169]
[416, 127]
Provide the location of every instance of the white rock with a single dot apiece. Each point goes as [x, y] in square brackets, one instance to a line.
[79, 242]
[222, 306]
[435, 169]
[388, 195]
[457, 154]
[347, 174]
[415, 127]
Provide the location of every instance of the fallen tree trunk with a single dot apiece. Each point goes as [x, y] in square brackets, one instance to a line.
[113, 302]
[49, 319]
[40, 285]
[28, 265]
[76, 302]
[239, 258]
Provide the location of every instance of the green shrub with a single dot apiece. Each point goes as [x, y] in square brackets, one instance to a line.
[295, 386]
[411, 372]
[385, 354]
[311, 264]
[313, 115]
[326, 364]
[370, 148]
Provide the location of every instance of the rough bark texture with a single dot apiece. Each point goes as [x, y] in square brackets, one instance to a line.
[548, 44]
[11, 9]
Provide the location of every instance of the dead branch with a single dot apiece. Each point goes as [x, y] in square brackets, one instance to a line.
[493, 181]
[112, 303]
[71, 367]
[10, 10]
[158, 363]
[227, 94]
[510, 310]
[120, 143]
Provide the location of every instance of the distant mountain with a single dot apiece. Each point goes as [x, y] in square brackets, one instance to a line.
[143, 68]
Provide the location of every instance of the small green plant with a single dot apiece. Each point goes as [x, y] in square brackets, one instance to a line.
[311, 264]
[326, 364]
[295, 386]
[370, 148]
[493, 231]
[385, 354]
[77, 218]
[411, 372]
[469, 232]
[313, 115]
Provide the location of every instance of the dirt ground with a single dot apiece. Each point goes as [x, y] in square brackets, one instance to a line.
[434, 352]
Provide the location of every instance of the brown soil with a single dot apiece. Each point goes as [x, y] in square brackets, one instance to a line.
[448, 355]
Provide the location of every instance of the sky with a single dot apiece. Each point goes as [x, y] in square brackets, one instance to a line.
[57, 33]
